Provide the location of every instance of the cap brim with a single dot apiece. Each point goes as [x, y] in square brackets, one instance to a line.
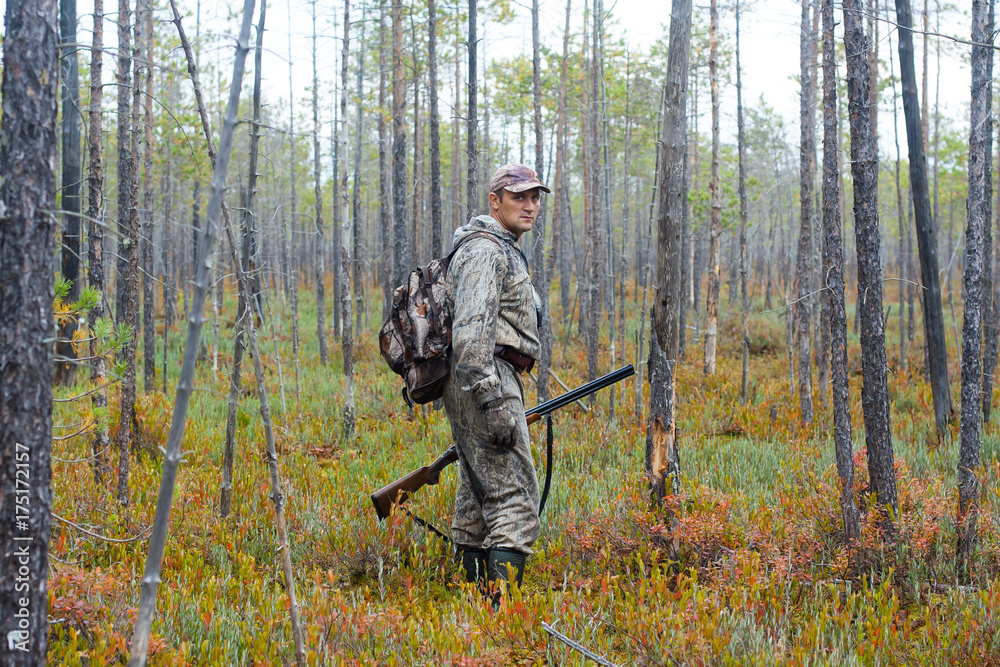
[527, 185]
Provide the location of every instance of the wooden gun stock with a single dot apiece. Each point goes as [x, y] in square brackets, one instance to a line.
[400, 491]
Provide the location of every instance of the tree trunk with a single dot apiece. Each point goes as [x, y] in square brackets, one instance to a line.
[148, 329]
[293, 276]
[715, 190]
[864, 168]
[991, 325]
[95, 235]
[559, 258]
[833, 263]
[27, 246]
[807, 154]
[662, 451]
[926, 237]
[128, 224]
[401, 247]
[744, 300]
[472, 150]
[978, 206]
[592, 175]
[70, 104]
[899, 218]
[384, 215]
[435, 131]
[318, 188]
[541, 276]
[347, 331]
[356, 263]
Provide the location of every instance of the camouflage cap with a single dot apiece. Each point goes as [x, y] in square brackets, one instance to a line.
[515, 177]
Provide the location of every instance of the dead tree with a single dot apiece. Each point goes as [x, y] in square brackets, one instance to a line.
[833, 271]
[662, 451]
[128, 249]
[27, 246]
[435, 138]
[70, 251]
[540, 277]
[864, 168]
[95, 234]
[715, 214]
[347, 332]
[401, 245]
[472, 120]
[148, 330]
[807, 154]
[744, 300]
[978, 206]
[937, 352]
[220, 160]
[318, 194]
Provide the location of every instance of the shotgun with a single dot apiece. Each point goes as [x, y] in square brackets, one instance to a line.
[399, 491]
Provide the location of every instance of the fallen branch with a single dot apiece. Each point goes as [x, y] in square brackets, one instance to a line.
[576, 647]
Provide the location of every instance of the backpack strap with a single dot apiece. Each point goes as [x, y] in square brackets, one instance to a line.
[486, 235]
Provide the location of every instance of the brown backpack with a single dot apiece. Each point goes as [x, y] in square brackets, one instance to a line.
[415, 339]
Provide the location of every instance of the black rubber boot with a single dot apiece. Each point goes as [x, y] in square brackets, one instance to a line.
[504, 565]
[474, 566]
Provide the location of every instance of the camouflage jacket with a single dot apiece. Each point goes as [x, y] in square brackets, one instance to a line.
[493, 302]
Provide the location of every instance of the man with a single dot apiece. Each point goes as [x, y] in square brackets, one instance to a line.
[494, 309]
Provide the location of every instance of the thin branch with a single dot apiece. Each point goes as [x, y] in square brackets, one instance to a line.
[80, 528]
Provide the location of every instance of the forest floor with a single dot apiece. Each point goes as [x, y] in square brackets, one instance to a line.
[763, 575]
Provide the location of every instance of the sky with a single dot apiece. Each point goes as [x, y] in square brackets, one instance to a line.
[769, 44]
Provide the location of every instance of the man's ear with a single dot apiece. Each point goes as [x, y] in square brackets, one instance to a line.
[494, 201]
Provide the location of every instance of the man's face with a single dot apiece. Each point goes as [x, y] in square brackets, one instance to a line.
[517, 212]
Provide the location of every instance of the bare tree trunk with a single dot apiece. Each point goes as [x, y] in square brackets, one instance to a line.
[157, 544]
[715, 188]
[95, 234]
[926, 236]
[435, 138]
[662, 451]
[864, 168]
[744, 300]
[27, 247]
[148, 331]
[899, 218]
[833, 263]
[980, 149]
[347, 331]
[388, 268]
[472, 121]
[293, 276]
[991, 326]
[319, 254]
[128, 261]
[559, 258]
[541, 278]
[356, 265]
[70, 251]
[596, 260]
[807, 154]
[401, 247]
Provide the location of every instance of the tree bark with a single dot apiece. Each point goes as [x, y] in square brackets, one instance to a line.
[541, 276]
[715, 190]
[95, 234]
[744, 299]
[926, 236]
[347, 331]
[559, 258]
[807, 155]
[27, 246]
[318, 189]
[70, 252]
[128, 261]
[401, 246]
[437, 246]
[148, 329]
[293, 275]
[472, 149]
[833, 263]
[662, 451]
[980, 148]
[864, 168]
[388, 270]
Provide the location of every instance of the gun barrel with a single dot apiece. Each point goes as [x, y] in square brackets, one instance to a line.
[582, 391]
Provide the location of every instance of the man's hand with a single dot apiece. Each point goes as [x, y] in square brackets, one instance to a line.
[500, 423]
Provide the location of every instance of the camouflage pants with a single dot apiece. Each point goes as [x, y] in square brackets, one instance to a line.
[496, 504]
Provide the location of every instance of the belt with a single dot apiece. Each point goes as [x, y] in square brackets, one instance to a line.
[522, 363]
